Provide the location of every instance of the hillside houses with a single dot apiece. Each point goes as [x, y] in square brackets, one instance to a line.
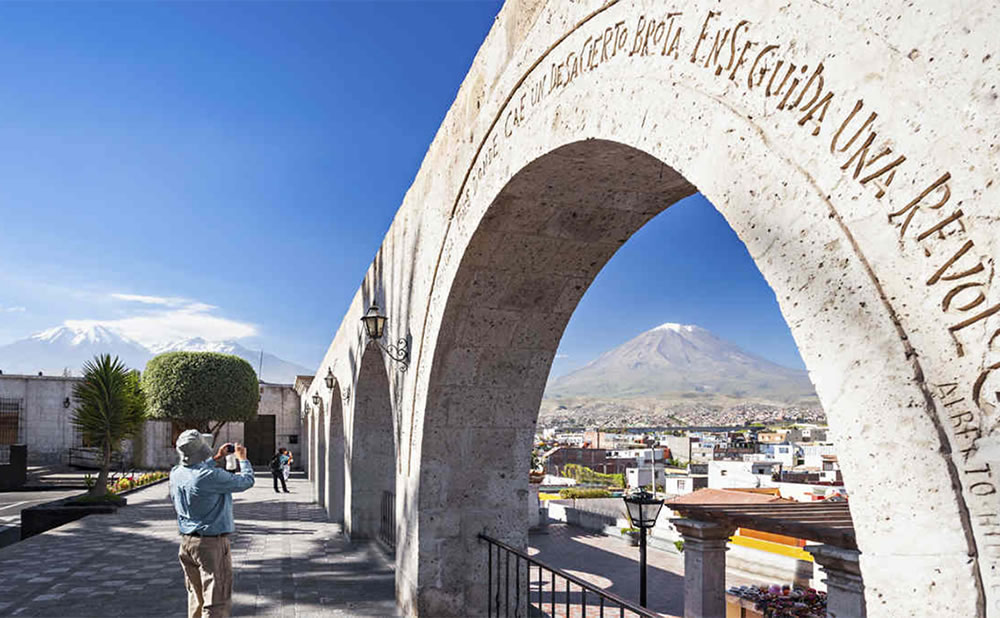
[797, 461]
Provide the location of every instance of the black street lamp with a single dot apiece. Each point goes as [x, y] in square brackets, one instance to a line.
[329, 378]
[642, 508]
[375, 326]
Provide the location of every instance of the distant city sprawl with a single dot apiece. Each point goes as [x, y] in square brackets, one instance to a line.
[654, 412]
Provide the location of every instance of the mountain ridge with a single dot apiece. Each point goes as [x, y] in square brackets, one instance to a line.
[55, 350]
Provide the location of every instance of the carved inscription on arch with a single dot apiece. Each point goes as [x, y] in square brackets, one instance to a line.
[930, 219]
[958, 275]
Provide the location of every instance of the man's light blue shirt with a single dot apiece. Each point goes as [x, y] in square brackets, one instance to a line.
[203, 496]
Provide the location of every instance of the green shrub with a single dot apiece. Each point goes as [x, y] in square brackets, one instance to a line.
[679, 544]
[204, 389]
[586, 475]
[101, 499]
[584, 493]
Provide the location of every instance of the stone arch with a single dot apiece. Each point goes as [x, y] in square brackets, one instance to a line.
[307, 445]
[535, 251]
[372, 456]
[846, 146]
[313, 440]
[334, 465]
[322, 433]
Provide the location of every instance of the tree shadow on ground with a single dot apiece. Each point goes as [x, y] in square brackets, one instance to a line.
[126, 565]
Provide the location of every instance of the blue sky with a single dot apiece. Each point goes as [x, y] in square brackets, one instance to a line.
[172, 168]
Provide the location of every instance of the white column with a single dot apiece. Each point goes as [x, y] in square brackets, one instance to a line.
[845, 591]
[704, 567]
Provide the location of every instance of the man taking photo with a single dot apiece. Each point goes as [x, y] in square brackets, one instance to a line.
[202, 494]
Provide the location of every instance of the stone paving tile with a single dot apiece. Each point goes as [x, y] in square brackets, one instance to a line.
[289, 561]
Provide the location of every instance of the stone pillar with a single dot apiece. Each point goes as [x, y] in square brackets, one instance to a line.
[704, 567]
[844, 588]
[534, 505]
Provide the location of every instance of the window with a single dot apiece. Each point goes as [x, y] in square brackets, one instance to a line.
[681, 485]
[10, 420]
[722, 472]
[293, 438]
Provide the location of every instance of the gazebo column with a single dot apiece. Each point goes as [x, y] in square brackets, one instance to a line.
[844, 588]
[704, 567]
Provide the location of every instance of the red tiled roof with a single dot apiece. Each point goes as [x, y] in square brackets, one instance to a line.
[724, 496]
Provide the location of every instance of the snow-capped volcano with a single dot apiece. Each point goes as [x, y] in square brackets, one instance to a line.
[679, 359]
[98, 335]
[270, 367]
[63, 349]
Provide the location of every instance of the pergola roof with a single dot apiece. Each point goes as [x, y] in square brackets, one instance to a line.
[823, 522]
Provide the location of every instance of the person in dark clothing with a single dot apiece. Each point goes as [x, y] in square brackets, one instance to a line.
[276, 473]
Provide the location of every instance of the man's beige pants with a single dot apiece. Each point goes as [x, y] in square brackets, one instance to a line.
[208, 573]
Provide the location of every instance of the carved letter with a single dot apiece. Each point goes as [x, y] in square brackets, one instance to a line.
[818, 73]
[763, 70]
[977, 388]
[985, 489]
[939, 275]
[716, 49]
[962, 417]
[913, 207]
[969, 322]
[823, 103]
[702, 35]
[732, 51]
[847, 121]
[955, 291]
[791, 89]
[638, 41]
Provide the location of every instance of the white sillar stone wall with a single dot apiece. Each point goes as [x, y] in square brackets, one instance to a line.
[46, 423]
[851, 146]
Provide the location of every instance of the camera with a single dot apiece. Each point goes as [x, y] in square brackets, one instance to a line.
[230, 448]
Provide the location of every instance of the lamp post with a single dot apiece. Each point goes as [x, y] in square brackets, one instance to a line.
[642, 508]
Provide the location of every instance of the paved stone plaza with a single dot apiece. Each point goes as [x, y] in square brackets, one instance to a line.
[288, 561]
[613, 565]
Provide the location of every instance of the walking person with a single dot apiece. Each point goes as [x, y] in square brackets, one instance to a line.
[286, 468]
[276, 465]
[202, 494]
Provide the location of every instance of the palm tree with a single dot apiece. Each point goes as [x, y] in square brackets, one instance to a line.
[110, 408]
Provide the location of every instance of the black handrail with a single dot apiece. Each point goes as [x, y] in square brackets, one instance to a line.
[500, 604]
[387, 523]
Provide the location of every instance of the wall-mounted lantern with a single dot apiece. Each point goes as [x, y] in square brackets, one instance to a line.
[345, 392]
[67, 403]
[375, 327]
[316, 400]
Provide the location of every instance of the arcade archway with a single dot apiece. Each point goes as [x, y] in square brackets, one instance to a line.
[846, 151]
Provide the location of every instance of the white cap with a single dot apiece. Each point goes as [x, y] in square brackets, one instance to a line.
[193, 447]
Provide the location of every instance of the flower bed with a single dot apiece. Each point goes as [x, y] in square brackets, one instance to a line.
[128, 483]
[782, 601]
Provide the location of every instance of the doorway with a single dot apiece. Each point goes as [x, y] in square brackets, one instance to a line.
[258, 436]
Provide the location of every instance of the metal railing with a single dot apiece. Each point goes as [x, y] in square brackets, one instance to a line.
[531, 588]
[387, 523]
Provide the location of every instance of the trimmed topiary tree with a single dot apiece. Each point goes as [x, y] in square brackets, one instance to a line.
[206, 390]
